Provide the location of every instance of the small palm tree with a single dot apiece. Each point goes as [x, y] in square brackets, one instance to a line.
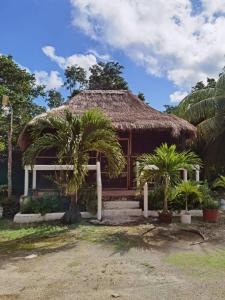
[74, 137]
[188, 189]
[168, 163]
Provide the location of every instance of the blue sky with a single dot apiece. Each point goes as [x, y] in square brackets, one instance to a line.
[165, 47]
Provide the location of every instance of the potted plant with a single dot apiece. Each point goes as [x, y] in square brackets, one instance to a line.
[188, 189]
[164, 166]
[210, 209]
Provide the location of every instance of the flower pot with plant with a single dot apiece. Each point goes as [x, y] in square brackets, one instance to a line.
[189, 190]
[210, 209]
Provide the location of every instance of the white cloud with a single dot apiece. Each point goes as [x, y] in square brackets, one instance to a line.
[177, 96]
[51, 80]
[168, 38]
[84, 61]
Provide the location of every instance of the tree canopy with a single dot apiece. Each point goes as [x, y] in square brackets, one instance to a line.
[102, 76]
[22, 89]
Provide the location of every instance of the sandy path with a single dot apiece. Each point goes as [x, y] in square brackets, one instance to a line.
[91, 271]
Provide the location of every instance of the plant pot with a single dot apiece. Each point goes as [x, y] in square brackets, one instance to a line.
[210, 215]
[185, 218]
[165, 217]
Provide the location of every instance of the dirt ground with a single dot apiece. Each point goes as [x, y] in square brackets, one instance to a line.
[100, 262]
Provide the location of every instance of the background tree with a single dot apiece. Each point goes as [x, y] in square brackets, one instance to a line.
[170, 109]
[199, 86]
[54, 98]
[21, 87]
[74, 137]
[76, 79]
[141, 96]
[107, 76]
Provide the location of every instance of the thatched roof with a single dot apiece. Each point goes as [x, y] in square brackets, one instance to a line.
[126, 111]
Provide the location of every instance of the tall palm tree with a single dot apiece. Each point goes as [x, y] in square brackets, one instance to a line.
[205, 108]
[168, 163]
[74, 137]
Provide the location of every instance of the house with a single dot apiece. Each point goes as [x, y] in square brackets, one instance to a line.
[140, 129]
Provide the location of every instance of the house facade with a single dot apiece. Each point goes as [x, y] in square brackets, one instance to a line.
[140, 129]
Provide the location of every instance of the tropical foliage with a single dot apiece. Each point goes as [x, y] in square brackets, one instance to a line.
[219, 182]
[205, 108]
[189, 190]
[73, 138]
[164, 167]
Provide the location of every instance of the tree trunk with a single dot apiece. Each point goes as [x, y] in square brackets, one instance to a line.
[165, 200]
[73, 215]
[186, 205]
[10, 133]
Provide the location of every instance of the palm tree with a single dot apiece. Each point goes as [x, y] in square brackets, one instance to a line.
[74, 137]
[205, 108]
[167, 162]
[188, 189]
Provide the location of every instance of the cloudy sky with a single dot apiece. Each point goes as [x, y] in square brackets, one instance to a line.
[166, 46]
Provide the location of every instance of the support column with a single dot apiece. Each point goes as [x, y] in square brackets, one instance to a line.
[34, 179]
[99, 191]
[185, 175]
[197, 174]
[26, 181]
[146, 200]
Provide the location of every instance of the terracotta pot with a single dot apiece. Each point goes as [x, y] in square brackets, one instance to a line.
[165, 217]
[210, 215]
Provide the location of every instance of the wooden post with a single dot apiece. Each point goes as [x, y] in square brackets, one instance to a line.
[34, 179]
[99, 191]
[26, 181]
[146, 200]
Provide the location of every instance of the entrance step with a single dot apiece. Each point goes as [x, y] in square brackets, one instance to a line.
[120, 204]
[123, 213]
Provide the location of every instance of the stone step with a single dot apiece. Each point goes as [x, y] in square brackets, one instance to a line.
[120, 204]
[128, 212]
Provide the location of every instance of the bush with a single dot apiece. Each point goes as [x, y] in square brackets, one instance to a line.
[49, 203]
[88, 199]
[155, 199]
[10, 207]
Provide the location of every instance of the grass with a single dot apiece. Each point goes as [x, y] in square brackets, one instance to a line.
[215, 260]
[10, 231]
[44, 236]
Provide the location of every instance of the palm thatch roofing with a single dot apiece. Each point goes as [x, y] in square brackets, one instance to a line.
[126, 111]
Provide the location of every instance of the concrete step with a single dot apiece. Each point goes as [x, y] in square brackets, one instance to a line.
[120, 204]
[128, 212]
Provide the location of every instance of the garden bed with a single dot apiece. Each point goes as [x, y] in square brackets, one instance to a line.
[33, 218]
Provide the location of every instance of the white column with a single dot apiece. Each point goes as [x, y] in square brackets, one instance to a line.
[34, 179]
[26, 181]
[99, 191]
[197, 174]
[146, 200]
[185, 175]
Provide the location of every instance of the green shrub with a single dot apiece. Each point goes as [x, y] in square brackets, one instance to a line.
[88, 199]
[155, 199]
[47, 204]
[210, 203]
